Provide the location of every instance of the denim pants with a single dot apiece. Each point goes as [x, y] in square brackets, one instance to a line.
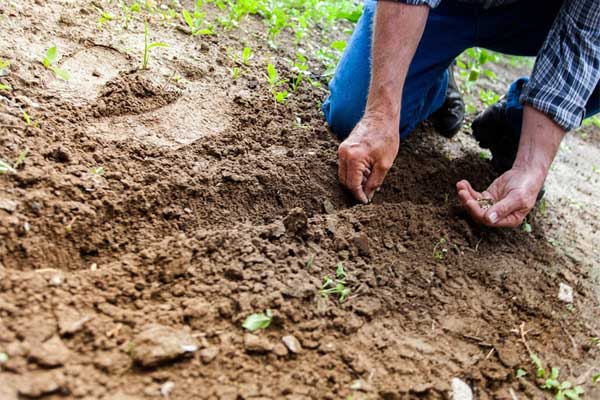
[519, 28]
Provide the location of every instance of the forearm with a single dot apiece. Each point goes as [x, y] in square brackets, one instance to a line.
[540, 141]
[397, 31]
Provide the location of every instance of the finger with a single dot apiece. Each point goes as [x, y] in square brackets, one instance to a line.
[374, 180]
[465, 185]
[506, 212]
[355, 176]
[472, 206]
[342, 169]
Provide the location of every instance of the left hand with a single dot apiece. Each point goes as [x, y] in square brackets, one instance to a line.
[514, 194]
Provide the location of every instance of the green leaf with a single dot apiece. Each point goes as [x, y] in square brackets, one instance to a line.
[157, 44]
[596, 378]
[246, 54]
[272, 73]
[339, 45]
[5, 168]
[541, 372]
[526, 227]
[51, 55]
[5, 87]
[61, 73]
[20, 159]
[255, 322]
[339, 272]
[135, 7]
[188, 18]
[521, 373]
[3, 358]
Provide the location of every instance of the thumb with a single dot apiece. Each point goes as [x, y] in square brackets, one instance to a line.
[356, 175]
[374, 180]
[503, 212]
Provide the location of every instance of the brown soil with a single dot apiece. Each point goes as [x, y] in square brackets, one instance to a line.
[212, 202]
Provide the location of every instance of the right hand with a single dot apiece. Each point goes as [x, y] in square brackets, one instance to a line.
[366, 156]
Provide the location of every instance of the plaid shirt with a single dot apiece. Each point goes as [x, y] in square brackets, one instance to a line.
[567, 68]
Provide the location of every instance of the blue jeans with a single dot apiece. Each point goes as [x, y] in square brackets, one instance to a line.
[519, 28]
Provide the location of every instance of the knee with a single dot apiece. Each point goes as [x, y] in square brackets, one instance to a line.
[341, 116]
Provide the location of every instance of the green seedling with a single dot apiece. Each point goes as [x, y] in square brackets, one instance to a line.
[4, 64]
[104, 18]
[5, 168]
[595, 341]
[49, 62]
[526, 227]
[149, 46]
[195, 20]
[562, 390]
[337, 286]
[235, 73]
[521, 373]
[272, 75]
[246, 55]
[485, 155]
[128, 11]
[28, 120]
[543, 206]
[596, 378]
[20, 159]
[258, 321]
[301, 68]
[488, 97]
[439, 250]
[4, 86]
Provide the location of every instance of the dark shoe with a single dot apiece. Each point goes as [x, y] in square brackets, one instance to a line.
[448, 119]
[492, 130]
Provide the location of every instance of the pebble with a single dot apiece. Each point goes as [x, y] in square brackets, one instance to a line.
[292, 344]
[361, 241]
[8, 205]
[565, 293]
[209, 354]
[158, 344]
[256, 344]
[52, 353]
[166, 388]
[328, 207]
[460, 390]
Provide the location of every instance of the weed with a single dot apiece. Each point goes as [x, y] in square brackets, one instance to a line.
[258, 321]
[337, 286]
[149, 46]
[49, 62]
[562, 390]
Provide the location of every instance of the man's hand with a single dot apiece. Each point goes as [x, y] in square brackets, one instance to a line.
[514, 194]
[366, 156]
[369, 152]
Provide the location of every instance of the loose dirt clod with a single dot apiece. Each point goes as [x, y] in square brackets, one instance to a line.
[292, 344]
[256, 344]
[51, 353]
[159, 344]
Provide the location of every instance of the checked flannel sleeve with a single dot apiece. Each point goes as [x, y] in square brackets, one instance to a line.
[567, 68]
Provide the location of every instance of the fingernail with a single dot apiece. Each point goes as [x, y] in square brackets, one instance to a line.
[371, 197]
[493, 217]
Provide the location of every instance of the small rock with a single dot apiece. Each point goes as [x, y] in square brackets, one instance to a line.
[209, 354]
[38, 384]
[361, 241]
[158, 344]
[255, 344]
[280, 350]
[328, 207]
[565, 293]
[70, 321]
[52, 353]
[166, 388]
[401, 249]
[460, 390]
[8, 205]
[292, 344]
